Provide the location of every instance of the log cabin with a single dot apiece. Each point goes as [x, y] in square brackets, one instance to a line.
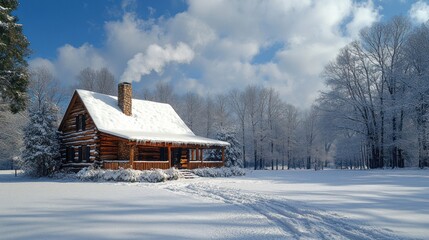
[121, 132]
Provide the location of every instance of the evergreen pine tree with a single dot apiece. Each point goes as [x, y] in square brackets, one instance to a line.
[232, 153]
[13, 51]
[41, 153]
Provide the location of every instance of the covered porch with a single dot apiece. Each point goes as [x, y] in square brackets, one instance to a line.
[146, 156]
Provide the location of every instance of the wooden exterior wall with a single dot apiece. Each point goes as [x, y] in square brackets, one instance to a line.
[113, 152]
[110, 148]
[74, 137]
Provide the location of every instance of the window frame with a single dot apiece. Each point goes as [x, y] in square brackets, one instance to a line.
[80, 122]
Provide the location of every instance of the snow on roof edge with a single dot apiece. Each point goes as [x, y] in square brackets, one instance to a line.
[171, 138]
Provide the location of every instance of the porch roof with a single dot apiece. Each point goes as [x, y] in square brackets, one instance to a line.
[167, 138]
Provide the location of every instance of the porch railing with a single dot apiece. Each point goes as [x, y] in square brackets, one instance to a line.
[147, 165]
[200, 164]
[116, 164]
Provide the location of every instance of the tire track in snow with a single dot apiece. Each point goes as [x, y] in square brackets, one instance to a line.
[295, 220]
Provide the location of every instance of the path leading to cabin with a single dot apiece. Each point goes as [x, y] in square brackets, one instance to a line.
[294, 219]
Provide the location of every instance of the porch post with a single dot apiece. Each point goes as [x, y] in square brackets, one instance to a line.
[132, 151]
[198, 154]
[223, 155]
[169, 154]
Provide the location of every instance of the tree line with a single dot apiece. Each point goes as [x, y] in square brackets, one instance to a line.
[271, 132]
[378, 97]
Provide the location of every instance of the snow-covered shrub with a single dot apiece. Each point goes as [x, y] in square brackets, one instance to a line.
[172, 174]
[124, 175]
[219, 172]
[155, 175]
[90, 174]
[127, 175]
[64, 175]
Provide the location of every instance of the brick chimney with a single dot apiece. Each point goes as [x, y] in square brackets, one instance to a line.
[125, 92]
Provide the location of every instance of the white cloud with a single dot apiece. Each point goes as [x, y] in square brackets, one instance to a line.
[364, 14]
[190, 29]
[419, 12]
[222, 39]
[130, 35]
[71, 60]
[42, 63]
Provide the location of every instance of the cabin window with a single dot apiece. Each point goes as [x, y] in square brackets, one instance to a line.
[164, 154]
[87, 153]
[80, 154]
[80, 122]
[84, 153]
[83, 122]
[77, 123]
[70, 154]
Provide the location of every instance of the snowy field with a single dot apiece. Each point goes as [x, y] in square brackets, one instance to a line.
[329, 204]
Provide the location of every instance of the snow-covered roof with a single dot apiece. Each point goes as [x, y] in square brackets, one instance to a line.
[150, 121]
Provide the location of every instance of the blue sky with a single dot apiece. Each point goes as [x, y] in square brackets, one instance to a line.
[203, 46]
[49, 24]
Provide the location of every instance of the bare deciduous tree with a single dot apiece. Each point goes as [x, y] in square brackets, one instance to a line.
[101, 81]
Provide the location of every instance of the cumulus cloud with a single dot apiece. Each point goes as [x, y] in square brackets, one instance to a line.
[71, 60]
[364, 14]
[42, 63]
[155, 59]
[217, 45]
[419, 12]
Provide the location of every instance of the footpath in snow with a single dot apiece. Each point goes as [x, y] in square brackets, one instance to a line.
[295, 220]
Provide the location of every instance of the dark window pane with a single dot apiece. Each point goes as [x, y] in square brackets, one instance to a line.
[83, 122]
[80, 154]
[77, 123]
[162, 157]
[87, 152]
[72, 157]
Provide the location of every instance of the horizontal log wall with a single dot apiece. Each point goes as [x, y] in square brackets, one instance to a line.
[69, 137]
[109, 147]
[184, 158]
[149, 153]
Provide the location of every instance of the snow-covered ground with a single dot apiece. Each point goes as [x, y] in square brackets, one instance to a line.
[330, 204]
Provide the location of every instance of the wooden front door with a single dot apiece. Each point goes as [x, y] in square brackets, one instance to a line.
[176, 155]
